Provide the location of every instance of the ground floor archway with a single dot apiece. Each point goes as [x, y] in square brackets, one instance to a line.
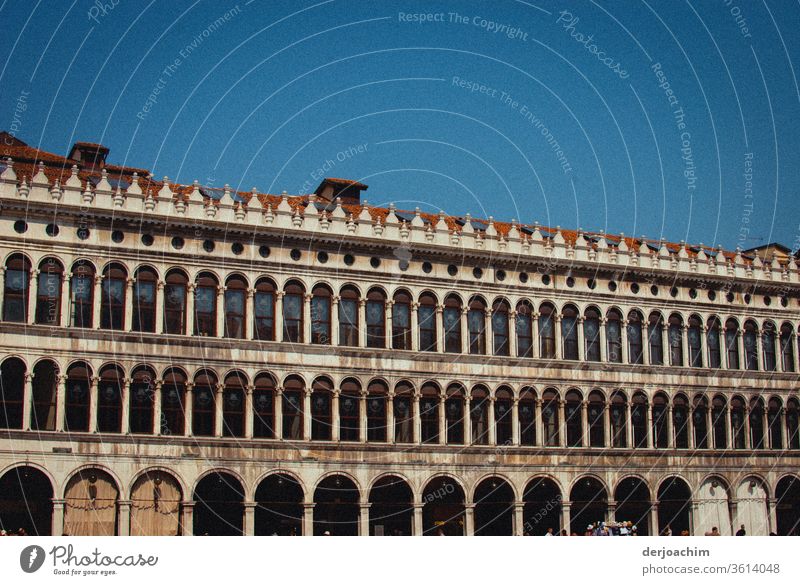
[391, 510]
[26, 501]
[787, 506]
[542, 508]
[336, 507]
[279, 506]
[218, 506]
[494, 508]
[633, 504]
[674, 506]
[443, 508]
[589, 500]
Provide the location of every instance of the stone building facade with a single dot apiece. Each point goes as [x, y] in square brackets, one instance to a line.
[179, 359]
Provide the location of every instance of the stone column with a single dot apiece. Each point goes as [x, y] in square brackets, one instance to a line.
[220, 312]
[159, 300]
[414, 326]
[390, 417]
[335, 320]
[611, 510]
[190, 309]
[670, 428]
[467, 420]
[218, 406]
[307, 414]
[694, 516]
[58, 515]
[250, 518]
[248, 411]
[442, 419]
[685, 346]
[187, 518]
[690, 425]
[515, 426]
[488, 331]
[748, 444]
[64, 315]
[585, 442]
[3, 288]
[306, 332]
[417, 420]
[558, 340]
[61, 401]
[278, 410]
[709, 427]
[646, 343]
[126, 406]
[249, 314]
[784, 432]
[362, 417]
[491, 421]
[601, 339]
[513, 349]
[308, 519]
[519, 519]
[335, 414]
[464, 331]
[740, 349]
[734, 515]
[623, 326]
[654, 519]
[93, 404]
[157, 426]
[363, 519]
[27, 400]
[772, 505]
[124, 515]
[188, 411]
[650, 438]
[279, 315]
[607, 425]
[538, 422]
[418, 526]
[97, 296]
[579, 321]
[33, 290]
[439, 328]
[535, 342]
[129, 304]
[362, 323]
[628, 426]
[562, 425]
[565, 516]
[728, 428]
[469, 519]
[388, 340]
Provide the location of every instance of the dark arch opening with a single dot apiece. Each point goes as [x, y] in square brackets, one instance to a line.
[542, 507]
[443, 508]
[219, 506]
[336, 507]
[633, 504]
[787, 509]
[26, 501]
[589, 504]
[494, 508]
[674, 502]
[279, 506]
[392, 511]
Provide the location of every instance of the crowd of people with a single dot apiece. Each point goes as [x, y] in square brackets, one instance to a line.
[18, 532]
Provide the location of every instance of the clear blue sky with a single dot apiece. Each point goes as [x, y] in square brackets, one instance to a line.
[269, 95]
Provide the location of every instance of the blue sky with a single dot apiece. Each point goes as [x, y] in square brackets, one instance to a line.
[574, 125]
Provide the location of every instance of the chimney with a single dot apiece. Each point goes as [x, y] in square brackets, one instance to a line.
[350, 191]
[91, 156]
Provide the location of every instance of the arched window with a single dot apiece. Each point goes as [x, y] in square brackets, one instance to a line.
[349, 410]
[614, 336]
[293, 312]
[591, 334]
[479, 415]
[596, 416]
[321, 315]
[12, 392]
[524, 329]
[376, 411]
[699, 422]
[348, 316]
[574, 418]
[205, 305]
[787, 348]
[142, 396]
[264, 407]
[321, 414]
[750, 339]
[503, 416]
[235, 303]
[768, 342]
[634, 333]
[452, 324]
[45, 384]
[639, 420]
[429, 412]
[675, 334]
[732, 344]
[719, 416]
[233, 405]
[173, 400]
[500, 339]
[403, 412]
[737, 422]
[527, 417]
[204, 400]
[774, 407]
[109, 400]
[655, 339]
[77, 399]
[401, 320]
[454, 414]
[376, 318]
[660, 417]
[550, 418]
[175, 287]
[48, 292]
[426, 316]
[17, 287]
[81, 293]
[757, 423]
[680, 421]
[476, 324]
[569, 332]
[112, 299]
[264, 310]
[695, 341]
[792, 427]
[144, 300]
[547, 332]
[714, 343]
[293, 397]
[619, 420]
